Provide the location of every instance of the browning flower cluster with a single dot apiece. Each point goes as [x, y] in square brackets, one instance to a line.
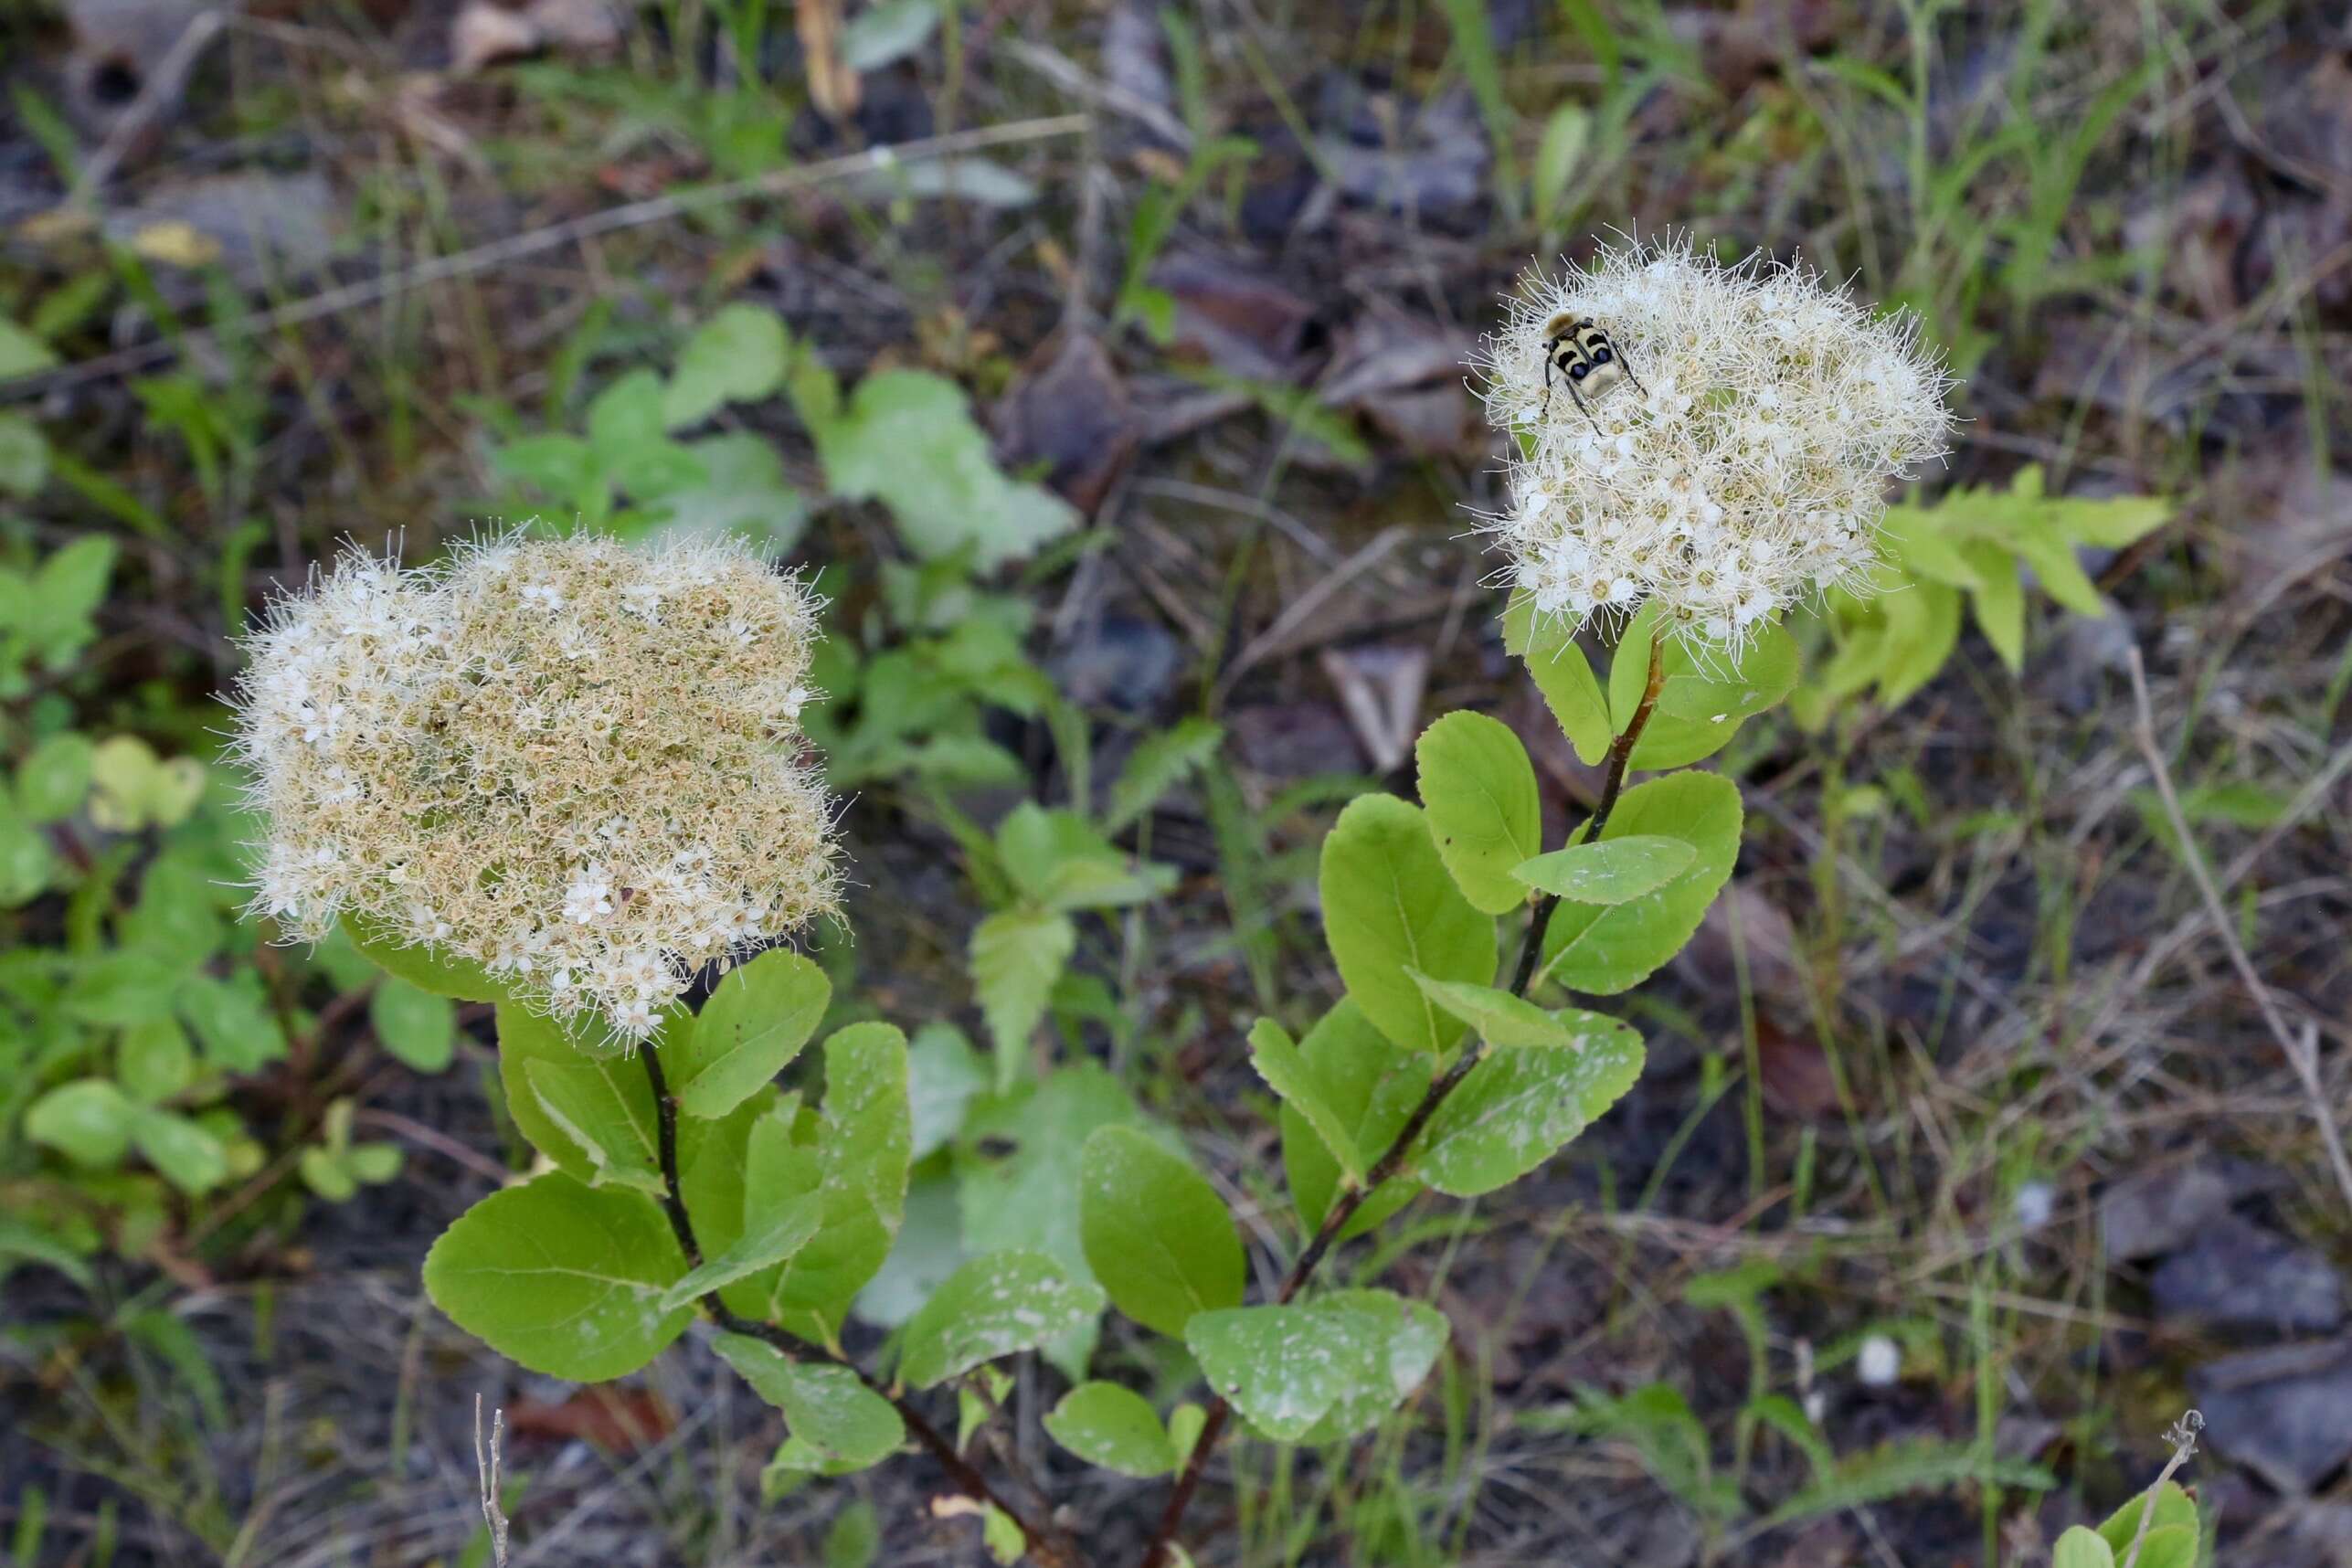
[1744, 470]
[576, 763]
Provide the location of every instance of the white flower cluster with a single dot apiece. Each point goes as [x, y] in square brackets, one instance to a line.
[575, 763]
[1740, 467]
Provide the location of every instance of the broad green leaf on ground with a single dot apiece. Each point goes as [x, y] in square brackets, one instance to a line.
[944, 1074]
[1610, 872]
[585, 1110]
[908, 439]
[184, 1151]
[1499, 1018]
[427, 969]
[231, 1018]
[783, 1232]
[1016, 957]
[1388, 906]
[1290, 1074]
[994, 1306]
[1059, 861]
[1477, 789]
[737, 356]
[1601, 949]
[563, 1278]
[1157, 1235]
[754, 1024]
[855, 1156]
[1517, 1109]
[1157, 764]
[88, 1121]
[743, 489]
[1372, 1084]
[418, 1028]
[825, 1407]
[54, 779]
[1704, 694]
[1112, 1427]
[1320, 1370]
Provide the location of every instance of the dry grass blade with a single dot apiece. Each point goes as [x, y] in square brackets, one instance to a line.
[2301, 1050]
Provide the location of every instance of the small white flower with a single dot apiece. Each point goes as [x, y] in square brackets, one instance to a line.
[590, 898]
[1878, 1363]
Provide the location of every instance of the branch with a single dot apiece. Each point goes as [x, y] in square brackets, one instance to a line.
[1049, 1549]
[1392, 1161]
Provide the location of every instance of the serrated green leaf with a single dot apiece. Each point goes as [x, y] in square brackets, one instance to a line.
[1998, 601]
[1562, 673]
[1157, 1236]
[737, 356]
[1930, 635]
[417, 1027]
[754, 1024]
[1497, 1017]
[1519, 1107]
[2058, 571]
[1320, 1370]
[565, 1279]
[1016, 957]
[1389, 904]
[1291, 1077]
[1610, 872]
[2111, 521]
[1160, 762]
[1113, 1428]
[991, 1306]
[825, 1407]
[1372, 1084]
[1478, 789]
[1601, 949]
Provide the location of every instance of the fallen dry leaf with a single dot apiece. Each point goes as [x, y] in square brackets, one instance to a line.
[832, 86]
[1069, 409]
[614, 1418]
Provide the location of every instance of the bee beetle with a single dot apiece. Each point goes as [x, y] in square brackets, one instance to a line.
[1587, 357]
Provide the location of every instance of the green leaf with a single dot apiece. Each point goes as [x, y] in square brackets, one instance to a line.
[417, 1027]
[1562, 674]
[1322, 1369]
[783, 1232]
[2110, 521]
[737, 356]
[603, 1117]
[1372, 1084]
[1499, 1018]
[1999, 602]
[1161, 761]
[553, 464]
[908, 439]
[1113, 1428]
[752, 1027]
[1058, 861]
[1703, 696]
[153, 1061]
[184, 1153]
[22, 354]
[1557, 158]
[1291, 1077]
[1517, 1109]
[26, 862]
[886, 31]
[53, 781]
[427, 969]
[24, 455]
[1478, 790]
[855, 1156]
[825, 1407]
[1601, 949]
[1388, 906]
[232, 1020]
[86, 1120]
[1016, 957]
[992, 1307]
[2174, 1510]
[1611, 872]
[2060, 575]
[944, 1074]
[855, 1541]
[2082, 1548]
[744, 489]
[565, 1279]
[1933, 631]
[1156, 1234]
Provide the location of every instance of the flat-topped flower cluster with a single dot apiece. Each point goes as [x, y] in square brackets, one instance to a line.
[574, 762]
[1743, 466]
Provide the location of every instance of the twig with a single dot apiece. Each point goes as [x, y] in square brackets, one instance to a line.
[2301, 1052]
[500, 253]
[1393, 1159]
[486, 1468]
[2182, 1435]
[1049, 1549]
